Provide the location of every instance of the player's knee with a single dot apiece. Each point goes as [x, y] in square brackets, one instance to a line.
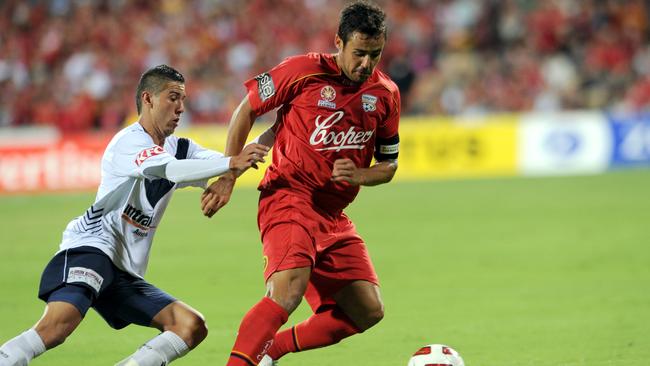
[287, 288]
[193, 330]
[289, 301]
[376, 316]
[371, 318]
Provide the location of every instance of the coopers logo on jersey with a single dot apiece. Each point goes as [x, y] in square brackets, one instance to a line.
[342, 140]
[136, 217]
[147, 153]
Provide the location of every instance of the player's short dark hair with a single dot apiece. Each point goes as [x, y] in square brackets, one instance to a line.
[154, 81]
[363, 17]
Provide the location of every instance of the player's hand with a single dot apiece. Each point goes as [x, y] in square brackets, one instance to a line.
[249, 157]
[344, 170]
[217, 195]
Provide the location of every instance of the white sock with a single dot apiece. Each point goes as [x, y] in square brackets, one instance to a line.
[20, 350]
[161, 350]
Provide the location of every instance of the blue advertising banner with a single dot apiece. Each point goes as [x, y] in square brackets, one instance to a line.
[630, 140]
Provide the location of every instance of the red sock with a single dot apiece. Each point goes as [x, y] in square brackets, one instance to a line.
[320, 330]
[256, 333]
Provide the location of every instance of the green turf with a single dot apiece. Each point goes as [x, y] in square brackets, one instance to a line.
[512, 272]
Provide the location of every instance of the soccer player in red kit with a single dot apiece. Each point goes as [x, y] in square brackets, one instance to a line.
[336, 111]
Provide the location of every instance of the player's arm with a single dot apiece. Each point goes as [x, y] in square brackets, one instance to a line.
[218, 193]
[189, 170]
[344, 170]
[240, 126]
[386, 151]
[266, 138]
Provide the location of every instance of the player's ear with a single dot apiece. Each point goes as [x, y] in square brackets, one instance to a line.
[338, 42]
[147, 98]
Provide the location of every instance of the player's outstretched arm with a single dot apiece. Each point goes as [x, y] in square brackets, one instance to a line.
[344, 170]
[189, 170]
[218, 193]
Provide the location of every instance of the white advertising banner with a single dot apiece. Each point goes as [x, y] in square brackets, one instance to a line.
[564, 143]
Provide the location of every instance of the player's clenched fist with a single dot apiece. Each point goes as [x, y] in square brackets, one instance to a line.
[249, 157]
[344, 170]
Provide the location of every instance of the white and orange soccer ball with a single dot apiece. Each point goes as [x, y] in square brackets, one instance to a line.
[436, 355]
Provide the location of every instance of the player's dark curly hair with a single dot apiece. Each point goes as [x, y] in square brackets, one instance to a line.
[154, 81]
[363, 17]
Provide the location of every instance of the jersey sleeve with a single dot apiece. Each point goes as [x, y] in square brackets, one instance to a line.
[387, 143]
[280, 85]
[133, 157]
[196, 151]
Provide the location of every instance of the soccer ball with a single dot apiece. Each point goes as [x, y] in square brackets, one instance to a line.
[436, 355]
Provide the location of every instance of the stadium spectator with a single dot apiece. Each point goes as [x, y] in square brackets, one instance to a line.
[311, 247]
[74, 51]
[104, 253]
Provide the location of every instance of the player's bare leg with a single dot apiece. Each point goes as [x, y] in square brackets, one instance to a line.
[258, 327]
[182, 327]
[287, 288]
[184, 321]
[59, 320]
[358, 308]
[361, 302]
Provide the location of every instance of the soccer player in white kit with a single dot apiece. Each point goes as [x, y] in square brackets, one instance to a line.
[104, 253]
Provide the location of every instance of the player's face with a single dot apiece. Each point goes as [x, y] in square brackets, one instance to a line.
[359, 56]
[167, 108]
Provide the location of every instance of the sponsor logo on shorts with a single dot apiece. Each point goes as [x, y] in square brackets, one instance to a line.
[265, 86]
[85, 275]
[147, 153]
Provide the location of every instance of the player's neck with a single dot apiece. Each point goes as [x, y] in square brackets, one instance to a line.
[149, 128]
[346, 78]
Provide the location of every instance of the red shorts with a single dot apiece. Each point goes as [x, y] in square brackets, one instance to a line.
[295, 235]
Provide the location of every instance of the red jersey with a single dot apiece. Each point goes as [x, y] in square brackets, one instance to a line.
[323, 117]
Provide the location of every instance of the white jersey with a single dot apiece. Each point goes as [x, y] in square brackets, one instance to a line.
[130, 202]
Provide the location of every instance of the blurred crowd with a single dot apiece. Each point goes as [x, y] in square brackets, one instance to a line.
[75, 63]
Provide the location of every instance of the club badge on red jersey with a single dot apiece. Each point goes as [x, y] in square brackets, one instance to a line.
[327, 94]
[369, 102]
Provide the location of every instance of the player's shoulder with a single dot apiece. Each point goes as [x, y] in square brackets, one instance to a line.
[172, 142]
[132, 136]
[385, 81]
[308, 64]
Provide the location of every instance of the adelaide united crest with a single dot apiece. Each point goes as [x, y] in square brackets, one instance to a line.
[369, 102]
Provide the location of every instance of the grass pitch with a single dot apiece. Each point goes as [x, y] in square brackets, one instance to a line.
[512, 272]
